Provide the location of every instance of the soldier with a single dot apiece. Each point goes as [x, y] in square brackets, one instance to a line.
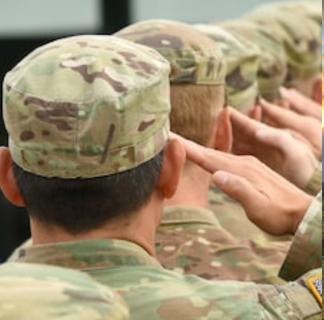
[248, 255]
[40, 292]
[302, 45]
[243, 60]
[271, 75]
[272, 67]
[91, 157]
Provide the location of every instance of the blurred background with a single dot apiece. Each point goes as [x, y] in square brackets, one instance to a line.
[27, 24]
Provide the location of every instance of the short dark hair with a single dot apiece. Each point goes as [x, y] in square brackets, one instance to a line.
[80, 205]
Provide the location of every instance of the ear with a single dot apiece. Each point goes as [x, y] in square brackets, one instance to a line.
[8, 183]
[224, 135]
[174, 157]
[317, 93]
[255, 113]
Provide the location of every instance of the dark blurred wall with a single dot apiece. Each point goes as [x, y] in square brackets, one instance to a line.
[14, 228]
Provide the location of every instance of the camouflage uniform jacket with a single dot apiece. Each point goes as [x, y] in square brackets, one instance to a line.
[315, 183]
[152, 292]
[305, 251]
[191, 240]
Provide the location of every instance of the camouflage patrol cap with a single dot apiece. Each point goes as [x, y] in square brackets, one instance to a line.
[242, 59]
[272, 68]
[194, 58]
[87, 106]
[301, 37]
[43, 292]
[310, 9]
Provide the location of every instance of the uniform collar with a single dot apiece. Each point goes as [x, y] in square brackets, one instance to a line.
[88, 254]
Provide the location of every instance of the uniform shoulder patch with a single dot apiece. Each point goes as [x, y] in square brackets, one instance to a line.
[314, 284]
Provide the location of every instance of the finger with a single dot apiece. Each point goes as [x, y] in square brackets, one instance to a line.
[283, 117]
[300, 103]
[243, 124]
[209, 159]
[237, 187]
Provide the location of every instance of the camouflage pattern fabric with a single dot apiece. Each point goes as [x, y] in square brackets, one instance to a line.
[242, 59]
[192, 241]
[40, 292]
[194, 58]
[152, 292]
[302, 44]
[315, 183]
[272, 68]
[304, 254]
[87, 106]
[310, 9]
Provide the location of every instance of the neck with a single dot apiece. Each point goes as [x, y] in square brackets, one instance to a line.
[138, 228]
[193, 188]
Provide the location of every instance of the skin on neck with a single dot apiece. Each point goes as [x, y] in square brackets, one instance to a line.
[193, 188]
[194, 182]
[138, 228]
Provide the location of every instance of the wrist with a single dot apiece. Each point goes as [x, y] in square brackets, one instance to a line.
[302, 204]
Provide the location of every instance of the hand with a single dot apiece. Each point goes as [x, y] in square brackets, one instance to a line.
[301, 104]
[277, 148]
[309, 127]
[270, 201]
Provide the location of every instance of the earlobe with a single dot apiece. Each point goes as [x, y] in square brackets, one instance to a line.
[224, 135]
[174, 156]
[8, 183]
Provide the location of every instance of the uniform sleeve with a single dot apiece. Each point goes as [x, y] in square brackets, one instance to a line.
[305, 251]
[315, 183]
[294, 300]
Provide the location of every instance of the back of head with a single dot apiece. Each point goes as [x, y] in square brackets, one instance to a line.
[42, 292]
[272, 68]
[242, 58]
[86, 106]
[300, 36]
[197, 74]
[87, 116]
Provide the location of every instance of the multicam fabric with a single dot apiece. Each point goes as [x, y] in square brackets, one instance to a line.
[69, 104]
[42, 292]
[242, 59]
[155, 293]
[314, 185]
[272, 68]
[192, 241]
[311, 9]
[194, 58]
[304, 254]
[301, 37]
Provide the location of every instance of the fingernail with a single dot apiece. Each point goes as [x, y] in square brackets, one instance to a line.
[220, 177]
